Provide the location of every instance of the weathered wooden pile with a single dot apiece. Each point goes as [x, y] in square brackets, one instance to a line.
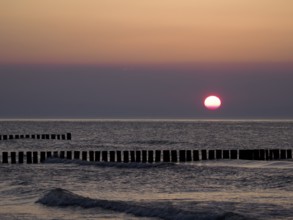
[147, 156]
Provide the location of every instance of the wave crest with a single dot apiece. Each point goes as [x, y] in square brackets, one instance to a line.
[132, 165]
[63, 198]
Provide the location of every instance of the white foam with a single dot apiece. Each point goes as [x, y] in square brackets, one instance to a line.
[133, 165]
[284, 164]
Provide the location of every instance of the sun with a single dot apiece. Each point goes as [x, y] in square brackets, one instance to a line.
[212, 102]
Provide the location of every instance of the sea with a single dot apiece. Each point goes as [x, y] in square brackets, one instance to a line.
[203, 190]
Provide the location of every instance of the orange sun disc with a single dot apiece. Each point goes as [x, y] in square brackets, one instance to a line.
[212, 102]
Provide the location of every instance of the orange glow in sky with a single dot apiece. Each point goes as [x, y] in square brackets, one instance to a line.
[161, 31]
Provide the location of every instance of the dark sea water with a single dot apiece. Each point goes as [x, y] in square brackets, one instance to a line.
[219, 189]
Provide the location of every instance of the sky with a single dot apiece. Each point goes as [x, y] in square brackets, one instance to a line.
[145, 59]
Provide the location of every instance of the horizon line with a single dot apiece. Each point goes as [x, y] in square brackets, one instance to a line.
[147, 64]
[146, 119]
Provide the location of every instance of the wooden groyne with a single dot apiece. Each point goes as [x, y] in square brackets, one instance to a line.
[66, 136]
[147, 156]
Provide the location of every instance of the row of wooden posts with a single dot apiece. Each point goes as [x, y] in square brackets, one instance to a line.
[66, 136]
[147, 156]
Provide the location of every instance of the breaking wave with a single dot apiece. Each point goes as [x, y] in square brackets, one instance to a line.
[158, 142]
[63, 198]
[253, 164]
[131, 165]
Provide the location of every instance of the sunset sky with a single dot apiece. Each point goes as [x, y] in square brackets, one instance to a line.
[145, 31]
[159, 57]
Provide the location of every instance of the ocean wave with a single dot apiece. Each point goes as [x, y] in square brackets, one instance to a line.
[63, 198]
[131, 165]
[285, 164]
[158, 142]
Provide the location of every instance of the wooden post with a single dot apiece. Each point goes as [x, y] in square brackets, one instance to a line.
[91, 156]
[55, 154]
[234, 154]
[119, 157]
[276, 154]
[138, 156]
[112, 156]
[157, 156]
[226, 154]
[69, 155]
[35, 157]
[211, 154]
[105, 156]
[166, 156]
[62, 154]
[182, 156]
[29, 157]
[289, 154]
[76, 155]
[20, 157]
[203, 154]
[125, 156]
[84, 155]
[49, 154]
[218, 154]
[283, 154]
[144, 156]
[255, 154]
[262, 154]
[174, 158]
[267, 156]
[188, 156]
[132, 156]
[4, 157]
[68, 136]
[151, 156]
[271, 154]
[13, 157]
[43, 156]
[97, 156]
[243, 154]
[250, 155]
[195, 155]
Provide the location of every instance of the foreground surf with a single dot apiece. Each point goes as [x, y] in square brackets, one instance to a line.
[63, 198]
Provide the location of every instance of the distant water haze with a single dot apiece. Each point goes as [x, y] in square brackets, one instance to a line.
[133, 91]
